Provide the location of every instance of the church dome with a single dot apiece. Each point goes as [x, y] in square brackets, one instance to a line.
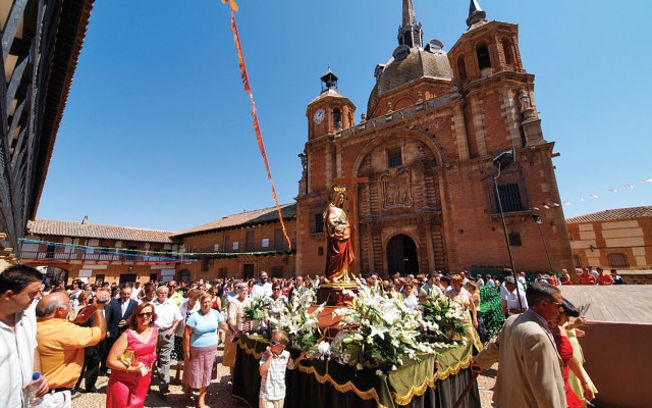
[418, 63]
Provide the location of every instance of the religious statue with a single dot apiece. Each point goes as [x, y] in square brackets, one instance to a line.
[339, 253]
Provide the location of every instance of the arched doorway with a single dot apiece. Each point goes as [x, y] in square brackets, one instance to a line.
[402, 256]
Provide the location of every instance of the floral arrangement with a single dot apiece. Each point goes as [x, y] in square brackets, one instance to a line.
[301, 325]
[379, 331]
[443, 318]
[256, 310]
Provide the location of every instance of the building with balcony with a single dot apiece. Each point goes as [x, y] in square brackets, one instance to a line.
[241, 245]
[98, 253]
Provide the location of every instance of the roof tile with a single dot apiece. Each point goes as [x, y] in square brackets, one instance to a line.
[99, 231]
[617, 214]
[245, 218]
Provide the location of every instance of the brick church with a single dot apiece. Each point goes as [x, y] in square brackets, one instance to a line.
[446, 166]
[445, 136]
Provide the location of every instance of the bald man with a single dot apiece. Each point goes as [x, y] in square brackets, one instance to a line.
[61, 344]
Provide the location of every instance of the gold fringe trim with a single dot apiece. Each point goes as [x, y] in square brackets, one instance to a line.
[346, 387]
[419, 390]
[416, 390]
[250, 350]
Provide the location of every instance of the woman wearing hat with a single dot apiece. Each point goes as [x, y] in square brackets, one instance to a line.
[565, 350]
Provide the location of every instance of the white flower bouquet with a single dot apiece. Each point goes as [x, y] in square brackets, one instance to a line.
[301, 325]
[379, 331]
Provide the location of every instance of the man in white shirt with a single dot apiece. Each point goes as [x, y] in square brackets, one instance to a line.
[168, 317]
[20, 287]
[511, 304]
[135, 291]
[262, 288]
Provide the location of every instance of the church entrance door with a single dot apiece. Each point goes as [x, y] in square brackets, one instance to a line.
[402, 256]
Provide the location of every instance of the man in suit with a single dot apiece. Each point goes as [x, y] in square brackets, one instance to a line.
[118, 316]
[530, 369]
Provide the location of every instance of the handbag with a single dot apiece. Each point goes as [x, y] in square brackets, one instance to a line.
[214, 370]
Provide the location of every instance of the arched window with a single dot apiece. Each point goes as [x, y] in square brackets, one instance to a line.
[617, 260]
[461, 68]
[337, 118]
[509, 52]
[483, 57]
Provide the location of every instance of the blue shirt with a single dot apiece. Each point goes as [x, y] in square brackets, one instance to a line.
[205, 327]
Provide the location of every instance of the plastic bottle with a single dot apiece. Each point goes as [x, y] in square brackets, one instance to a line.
[30, 392]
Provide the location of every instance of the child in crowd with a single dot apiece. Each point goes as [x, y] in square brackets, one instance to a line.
[273, 363]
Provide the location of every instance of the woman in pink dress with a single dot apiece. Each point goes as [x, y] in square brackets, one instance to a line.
[131, 359]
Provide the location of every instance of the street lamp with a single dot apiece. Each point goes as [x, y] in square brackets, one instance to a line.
[503, 161]
[537, 219]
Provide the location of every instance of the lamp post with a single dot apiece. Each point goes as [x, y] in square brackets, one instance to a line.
[537, 219]
[504, 160]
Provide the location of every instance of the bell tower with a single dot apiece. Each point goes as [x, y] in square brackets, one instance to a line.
[330, 112]
[486, 62]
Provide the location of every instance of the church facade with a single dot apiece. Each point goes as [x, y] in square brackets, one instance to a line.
[446, 166]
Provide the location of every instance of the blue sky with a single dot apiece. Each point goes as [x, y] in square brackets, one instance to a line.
[157, 129]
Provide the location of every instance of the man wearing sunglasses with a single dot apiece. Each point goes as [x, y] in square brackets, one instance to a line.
[530, 369]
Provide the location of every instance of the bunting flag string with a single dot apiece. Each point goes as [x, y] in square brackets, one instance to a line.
[233, 7]
[595, 196]
[131, 255]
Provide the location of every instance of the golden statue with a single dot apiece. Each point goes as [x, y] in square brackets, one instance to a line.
[339, 254]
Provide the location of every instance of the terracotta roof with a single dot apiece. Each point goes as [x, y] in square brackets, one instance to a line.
[616, 214]
[99, 231]
[263, 215]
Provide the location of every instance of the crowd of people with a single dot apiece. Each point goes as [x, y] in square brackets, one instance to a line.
[138, 333]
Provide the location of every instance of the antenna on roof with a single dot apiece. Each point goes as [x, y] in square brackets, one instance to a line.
[85, 220]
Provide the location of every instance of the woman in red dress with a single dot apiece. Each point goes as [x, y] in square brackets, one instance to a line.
[565, 350]
[131, 359]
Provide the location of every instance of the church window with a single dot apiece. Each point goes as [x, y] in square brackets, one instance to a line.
[617, 260]
[461, 68]
[319, 224]
[483, 57]
[509, 52]
[337, 118]
[394, 158]
[510, 197]
[515, 239]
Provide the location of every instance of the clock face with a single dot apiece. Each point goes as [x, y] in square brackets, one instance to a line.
[319, 115]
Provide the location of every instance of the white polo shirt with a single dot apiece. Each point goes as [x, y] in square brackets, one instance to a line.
[17, 357]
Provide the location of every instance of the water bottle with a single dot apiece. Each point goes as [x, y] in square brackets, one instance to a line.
[31, 391]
